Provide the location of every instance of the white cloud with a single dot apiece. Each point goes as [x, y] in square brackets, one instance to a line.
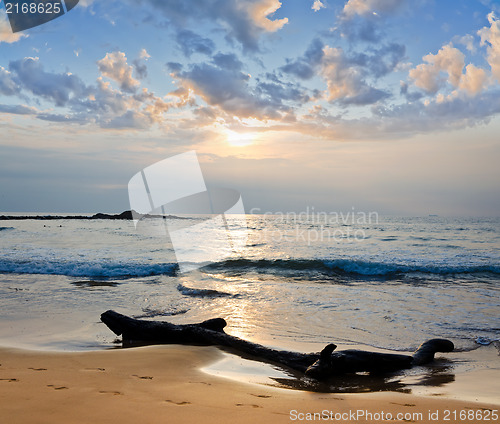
[317, 5]
[449, 61]
[428, 76]
[144, 54]
[468, 41]
[368, 7]
[491, 37]
[474, 80]
[260, 12]
[85, 3]
[114, 66]
[6, 34]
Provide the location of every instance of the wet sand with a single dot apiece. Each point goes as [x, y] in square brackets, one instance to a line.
[166, 384]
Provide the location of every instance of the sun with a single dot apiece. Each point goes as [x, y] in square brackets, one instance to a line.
[236, 139]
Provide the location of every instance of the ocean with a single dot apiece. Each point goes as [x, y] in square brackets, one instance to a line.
[300, 280]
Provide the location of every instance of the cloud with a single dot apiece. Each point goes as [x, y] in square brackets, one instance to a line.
[190, 42]
[491, 4]
[410, 96]
[144, 54]
[108, 101]
[363, 20]
[346, 73]
[114, 66]
[175, 67]
[8, 87]
[491, 37]
[468, 41]
[428, 76]
[223, 84]
[129, 120]
[345, 82]
[141, 70]
[18, 109]
[379, 62]
[244, 21]
[261, 10]
[305, 66]
[59, 88]
[317, 5]
[346, 76]
[329, 75]
[401, 120]
[62, 118]
[6, 34]
[274, 88]
[228, 61]
[110, 108]
[449, 61]
[451, 112]
[99, 104]
[370, 7]
[225, 88]
[474, 80]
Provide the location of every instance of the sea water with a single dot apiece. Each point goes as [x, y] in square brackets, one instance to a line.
[299, 282]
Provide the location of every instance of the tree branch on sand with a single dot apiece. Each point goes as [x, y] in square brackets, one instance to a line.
[320, 366]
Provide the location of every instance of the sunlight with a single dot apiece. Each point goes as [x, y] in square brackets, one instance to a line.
[236, 139]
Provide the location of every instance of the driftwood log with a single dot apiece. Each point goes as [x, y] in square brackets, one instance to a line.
[320, 366]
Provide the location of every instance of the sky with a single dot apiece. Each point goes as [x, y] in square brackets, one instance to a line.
[390, 106]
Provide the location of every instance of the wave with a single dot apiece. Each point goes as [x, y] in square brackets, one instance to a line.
[188, 291]
[91, 269]
[124, 269]
[348, 266]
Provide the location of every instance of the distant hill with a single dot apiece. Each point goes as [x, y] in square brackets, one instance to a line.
[126, 215]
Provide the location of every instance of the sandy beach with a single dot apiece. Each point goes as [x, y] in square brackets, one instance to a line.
[158, 384]
[319, 176]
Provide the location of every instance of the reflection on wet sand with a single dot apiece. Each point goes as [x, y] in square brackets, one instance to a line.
[252, 371]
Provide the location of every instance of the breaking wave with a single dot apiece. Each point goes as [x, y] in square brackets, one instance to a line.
[87, 269]
[123, 269]
[348, 266]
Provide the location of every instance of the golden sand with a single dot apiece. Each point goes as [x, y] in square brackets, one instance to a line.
[164, 384]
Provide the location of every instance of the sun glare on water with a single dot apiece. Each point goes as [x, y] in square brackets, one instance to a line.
[236, 139]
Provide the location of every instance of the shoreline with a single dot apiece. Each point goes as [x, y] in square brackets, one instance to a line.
[167, 383]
